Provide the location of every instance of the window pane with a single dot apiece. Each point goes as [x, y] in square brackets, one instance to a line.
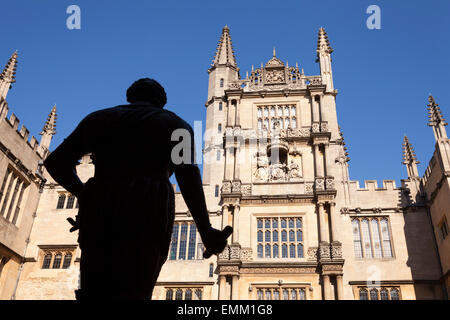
[267, 224]
[283, 235]
[366, 238]
[301, 294]
[283, 223]
[70, 201]
[174, 244]
[57, 261]
[169, 294]
[374, 294]
[300, 250]
[183, 238]
[384, 294]
[260, 251]
[292, 251]
[291, 223]
[179, 294]
[394, 294]
[198, 294]
[47, 260]
[260, 295]
[298, 223]
[285, 294]
[275, 236]
[192, 240]
[299, 235]
[276, 295]
[293, 294]
[292, 236]
[376, 238]
[284, 251]
[67, 261]
[275, 223]
[188, 294]
[260, 223]
[387, 250]
[61, 200]
[363, 294]
[268, 250]
[275, 251]
[260, 236]
[356, 239]
[268, 295]
[267, 236]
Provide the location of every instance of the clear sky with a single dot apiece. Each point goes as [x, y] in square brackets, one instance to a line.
[383, 76]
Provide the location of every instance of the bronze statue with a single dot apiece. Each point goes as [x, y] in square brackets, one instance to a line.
[126, 211]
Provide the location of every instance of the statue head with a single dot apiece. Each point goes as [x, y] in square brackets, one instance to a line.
[147, 90]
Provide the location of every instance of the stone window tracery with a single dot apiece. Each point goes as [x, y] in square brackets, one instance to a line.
[288, 293]
[184, 293]
[371, 237]
[185, 243]
[269, 242]
[379, 293]
[11, 194]
[285, 115]
[56, 257]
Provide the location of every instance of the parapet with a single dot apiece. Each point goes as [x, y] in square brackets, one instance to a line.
[372, 185]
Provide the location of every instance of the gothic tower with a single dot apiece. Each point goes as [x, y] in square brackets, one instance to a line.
[8, 76]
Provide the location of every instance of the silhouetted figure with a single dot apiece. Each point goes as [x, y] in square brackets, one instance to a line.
[127, 209]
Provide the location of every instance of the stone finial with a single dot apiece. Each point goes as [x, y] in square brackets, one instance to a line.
[409, 156]
[323, 44]
[224, 53]
[50, 124]
[434, 113]
[8, 75]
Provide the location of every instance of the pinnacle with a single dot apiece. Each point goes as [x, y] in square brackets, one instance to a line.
[323, 44]
[50, 124]
[224, 52]
[9, 72]
[434, 113]
[409, 156]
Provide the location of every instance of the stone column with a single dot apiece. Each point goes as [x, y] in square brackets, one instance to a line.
[340, 287]
[222, 287]
[229, 114]
[235, 223]
[236, 161]
[323, 114]
[333, 221]
[323, 224]
[234, 287]
[315, 109]
[318, 161]
[229, 162]
[327, 158]
[237, 121]
[225, 213]
[326, 287]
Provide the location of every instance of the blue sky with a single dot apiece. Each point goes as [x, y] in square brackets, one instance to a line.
[383, 76]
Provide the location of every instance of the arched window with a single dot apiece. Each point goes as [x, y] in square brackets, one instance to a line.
[292, 250]
[260, 236]
[293, 294]
[57, 261]
[276, 295]
[367, 243]
[275, 236]
[211, 270]
[373, 294]
[260, 251]
[174, 243]
[221, 82]
[268, 249]
[357, 239]
[300, 250]
[260, 223]
[47, 260]
[275, 251]
[61, 200]
[188, 294]
[292, 236]
[275, 223]
[67, 260]
[363, 294]
[384, 294]
[220, 106]
[198, 294]
[216, 191]
[394, 294]
[260, 294]
[219, 128]
[268, 295]
[192, 241]
[299, 235]
[267, 236]
[183, 241]
[285, 294]
[283, 235]
[169, 294]
[387, 250]
[301, 294]
[284, 251]
[179, 295]
[70, 201]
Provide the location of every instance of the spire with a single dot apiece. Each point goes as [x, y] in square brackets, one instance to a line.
[323, 44]
[435, 118]
[324, 51]
[224, 53]
[8, 75]
[49, 129]
[409, 158]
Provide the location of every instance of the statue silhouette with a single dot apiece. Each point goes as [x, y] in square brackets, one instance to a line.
[126, 211]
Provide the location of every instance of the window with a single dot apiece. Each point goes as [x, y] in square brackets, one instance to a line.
[285, 293]
[269, 241]
[11, 194]
[220, 106]
[219, 128]
[443, 227]
[70, 201]
[47, 260]
[57, 258]
[185, 243]
[216, 191]
[218, 155]
[371, 237]
[61, 201]
[211, 270]
[184, 293]
[221, 82]
[383, 293]
[67, 261]
[284, 115]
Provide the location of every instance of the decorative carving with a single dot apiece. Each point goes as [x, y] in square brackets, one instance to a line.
[336, 250]
[274, 77]
[320, 184]
[235, 252]
[329, 183]
[377, 210]
[331, 267]
[279, 270]
[232, 269]
[312, 253]
[345, 210]
[309, 187]
[226, 187]
[246, 254]
[324, 251]
[246, 190]
[236, 186]
[225, 254]
[315, 127]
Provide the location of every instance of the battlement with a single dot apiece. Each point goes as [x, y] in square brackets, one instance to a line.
[13, 122]
[372, 185]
